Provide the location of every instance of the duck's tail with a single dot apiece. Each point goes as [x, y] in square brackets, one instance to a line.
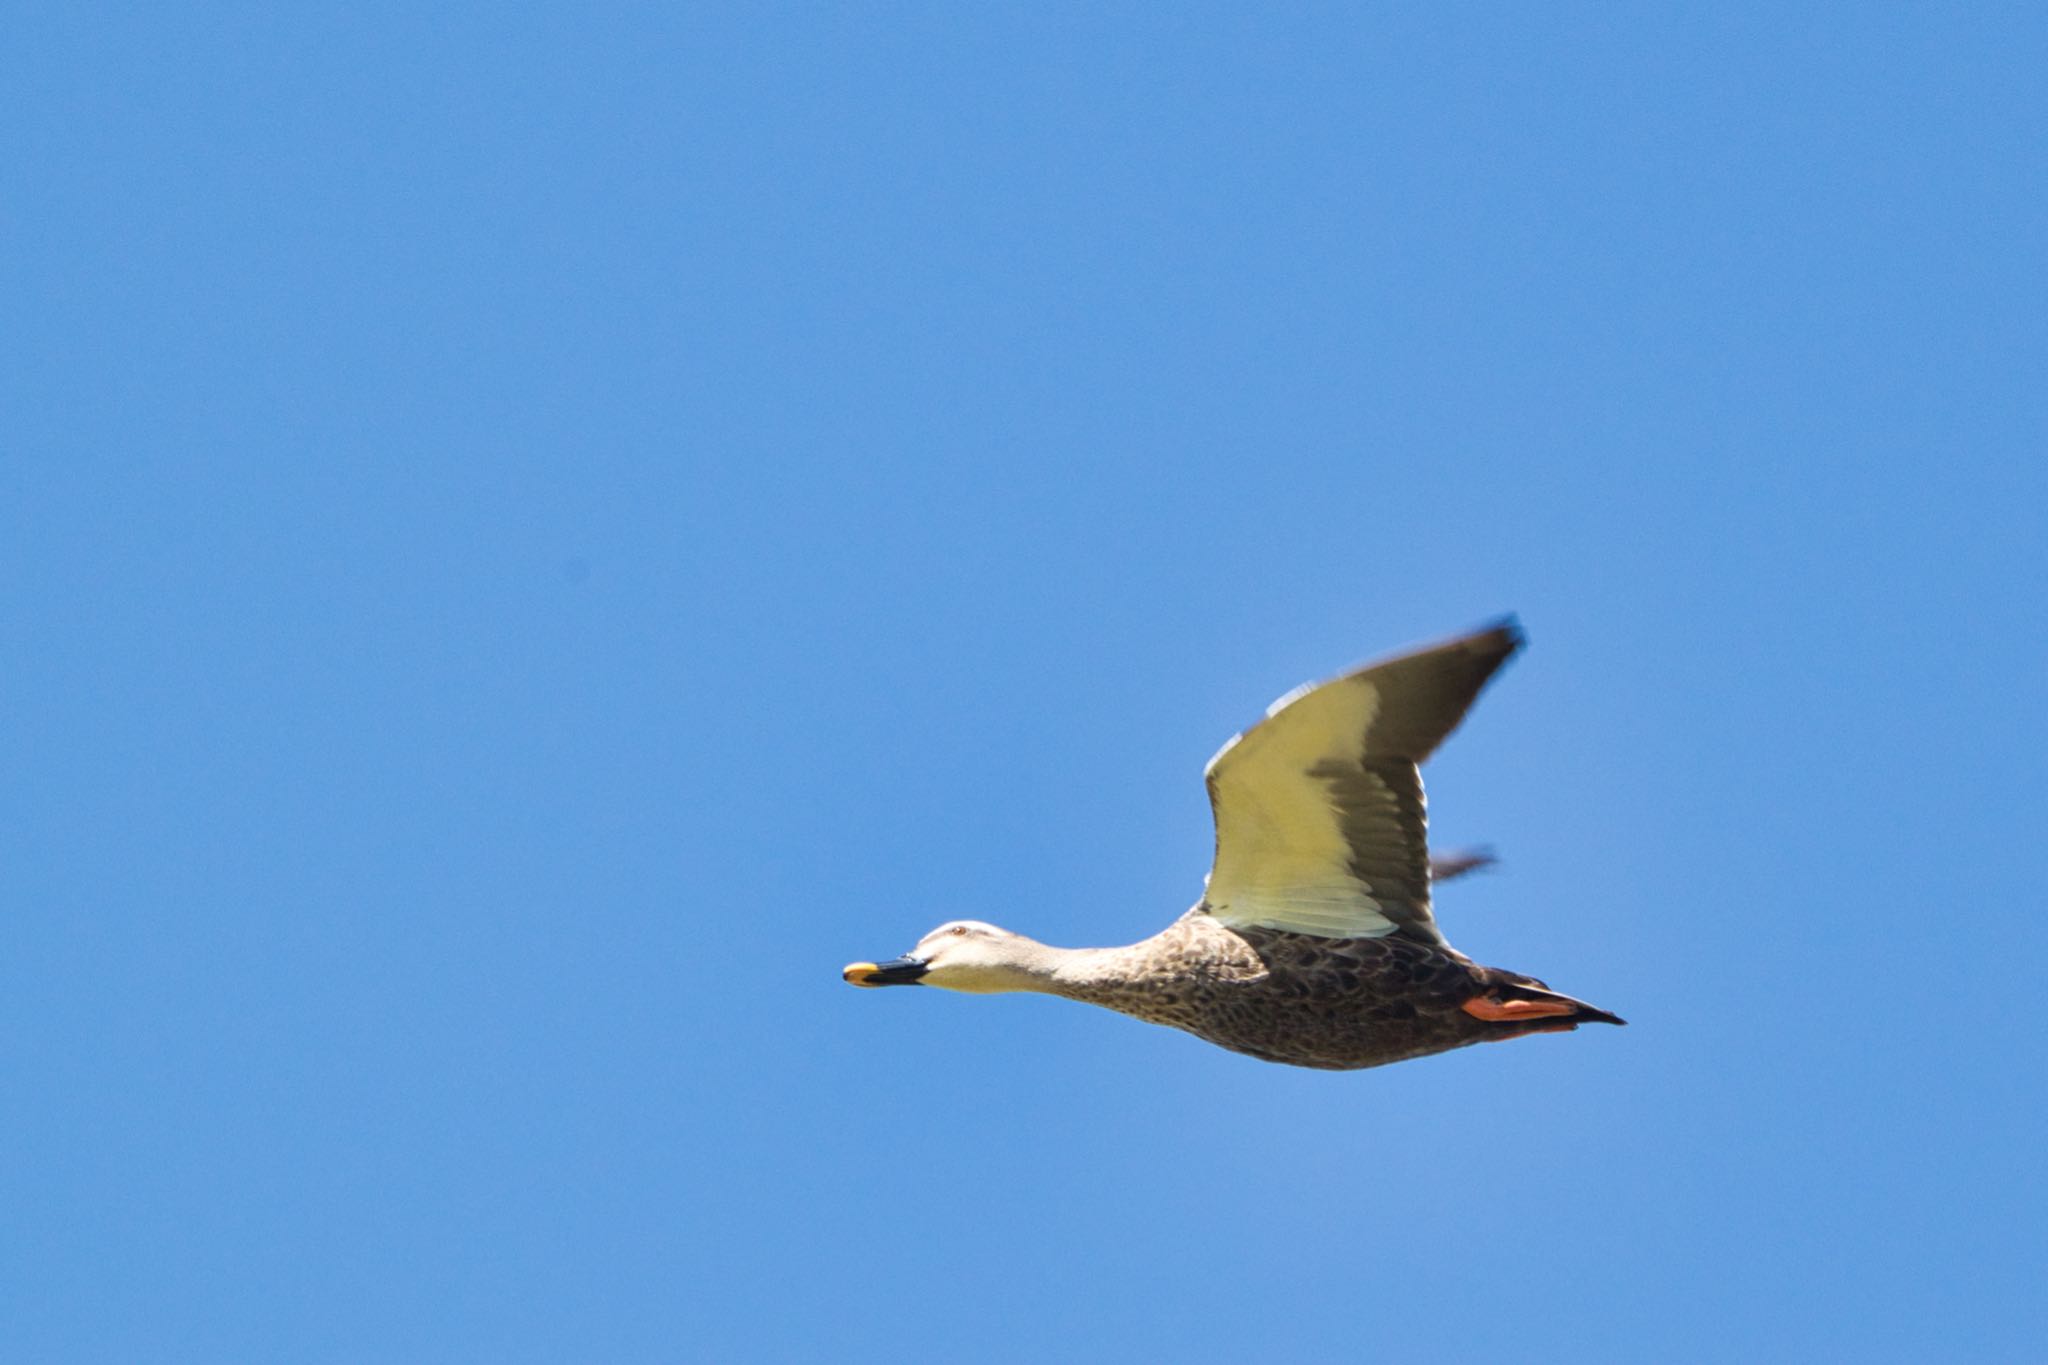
[1523, 1000]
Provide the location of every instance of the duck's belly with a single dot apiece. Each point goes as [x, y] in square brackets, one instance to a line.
[1338, 1005]
[1335, 1035]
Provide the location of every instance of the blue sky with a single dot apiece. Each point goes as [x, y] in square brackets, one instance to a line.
[529, 539]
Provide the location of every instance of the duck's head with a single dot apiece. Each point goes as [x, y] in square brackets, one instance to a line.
[960, 955]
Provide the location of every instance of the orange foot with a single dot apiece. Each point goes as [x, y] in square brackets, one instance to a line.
[1515, 1011]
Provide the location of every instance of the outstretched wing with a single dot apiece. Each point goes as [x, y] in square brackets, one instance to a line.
[1319, 810]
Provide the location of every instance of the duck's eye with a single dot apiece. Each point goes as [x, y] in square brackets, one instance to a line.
[958, 929]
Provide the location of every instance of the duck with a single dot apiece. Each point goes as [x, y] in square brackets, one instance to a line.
[1315, 941]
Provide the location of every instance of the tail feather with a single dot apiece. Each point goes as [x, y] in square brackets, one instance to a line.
[1582, 1013]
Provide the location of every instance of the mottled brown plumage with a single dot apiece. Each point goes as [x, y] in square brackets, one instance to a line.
[1338, 1004]
[1316, 943]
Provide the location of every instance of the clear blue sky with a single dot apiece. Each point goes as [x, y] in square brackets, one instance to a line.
[530, 539]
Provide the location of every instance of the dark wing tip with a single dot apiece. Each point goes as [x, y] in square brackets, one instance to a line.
[1438, 684]
[1491, 646]
[1501, 635]
[1458, 862]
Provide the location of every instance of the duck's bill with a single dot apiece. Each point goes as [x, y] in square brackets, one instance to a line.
[900, 971]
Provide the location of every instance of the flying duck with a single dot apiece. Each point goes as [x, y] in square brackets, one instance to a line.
[1314, 943]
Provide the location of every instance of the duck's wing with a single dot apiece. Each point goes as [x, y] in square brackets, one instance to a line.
[1319, 810]
[1444, 867]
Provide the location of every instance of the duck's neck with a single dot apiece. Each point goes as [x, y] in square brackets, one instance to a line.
[1028, 965]
[1096, 976]
[1081, 973]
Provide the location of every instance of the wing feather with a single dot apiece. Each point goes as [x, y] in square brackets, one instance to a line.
[1321, 824]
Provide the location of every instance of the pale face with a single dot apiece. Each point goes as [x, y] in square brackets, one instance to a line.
[967, 955]
[960, 955]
